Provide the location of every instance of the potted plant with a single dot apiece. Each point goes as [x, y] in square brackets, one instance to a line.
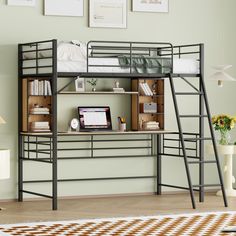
[223, 123]
[93, 83]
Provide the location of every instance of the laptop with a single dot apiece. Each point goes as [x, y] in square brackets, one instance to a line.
[95, 118]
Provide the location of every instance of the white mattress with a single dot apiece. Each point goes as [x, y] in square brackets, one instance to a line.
[180, 66]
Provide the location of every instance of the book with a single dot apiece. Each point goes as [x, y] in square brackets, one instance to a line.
[149, 91]
[143, 90]
[49, 89]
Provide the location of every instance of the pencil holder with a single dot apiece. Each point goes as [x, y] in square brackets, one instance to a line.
[122, 127]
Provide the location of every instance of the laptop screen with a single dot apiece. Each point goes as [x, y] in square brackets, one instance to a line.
[94, 118]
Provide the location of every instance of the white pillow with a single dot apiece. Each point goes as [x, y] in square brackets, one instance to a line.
[71, 52]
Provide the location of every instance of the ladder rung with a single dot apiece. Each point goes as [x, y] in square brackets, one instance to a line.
[194, 93]
[189, 116]
[206, 185]
[198, 162]
[195, 139]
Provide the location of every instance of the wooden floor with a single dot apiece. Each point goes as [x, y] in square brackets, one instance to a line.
[32, 211]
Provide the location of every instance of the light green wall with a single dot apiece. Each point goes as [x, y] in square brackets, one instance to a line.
[211, 22]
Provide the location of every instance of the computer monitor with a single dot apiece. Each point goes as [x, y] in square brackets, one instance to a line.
[95, 118]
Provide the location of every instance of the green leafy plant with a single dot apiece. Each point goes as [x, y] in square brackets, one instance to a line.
[93, 82]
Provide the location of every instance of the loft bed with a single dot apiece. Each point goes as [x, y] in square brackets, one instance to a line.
[109, 57]
[51, 60]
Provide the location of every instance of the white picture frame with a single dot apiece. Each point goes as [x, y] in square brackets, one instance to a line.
[79, 85]
[108, 13]
[150, 5]
[30, 3]
[64, 7]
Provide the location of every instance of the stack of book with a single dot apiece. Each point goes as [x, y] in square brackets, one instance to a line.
[118, 90]
[40, 126]
[151, 125]
[39, 111]
[145, 89]
[40, 87]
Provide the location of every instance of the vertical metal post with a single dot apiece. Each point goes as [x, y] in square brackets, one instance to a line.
[91, 145]
[158, 153]
[201, 126]
[20, 138]
[54, 125]
[182, 141]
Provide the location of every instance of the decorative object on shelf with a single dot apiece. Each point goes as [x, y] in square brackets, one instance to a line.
[93, 83]
[150, 5]
[74, 125]
[79, 84]
[154, 88]
[64, 7]
[122, 124]
[39, 110]
[109, 13]
[29, 3]
[117, 88]
[223, 123]
[151, 125]
[220, 75]
[148, 107]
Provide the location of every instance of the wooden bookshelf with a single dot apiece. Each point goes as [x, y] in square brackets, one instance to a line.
[157, 97]
[28, 102]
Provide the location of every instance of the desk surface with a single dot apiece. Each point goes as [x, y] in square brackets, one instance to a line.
[100, 133]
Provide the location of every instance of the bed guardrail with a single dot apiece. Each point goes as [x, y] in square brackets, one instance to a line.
[121, 57]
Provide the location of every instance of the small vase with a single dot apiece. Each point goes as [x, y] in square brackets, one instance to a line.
[93, 89]
[224, 137]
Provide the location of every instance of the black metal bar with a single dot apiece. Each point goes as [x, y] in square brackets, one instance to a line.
[182, 141]
[91, 179]
[38, 194]
[37, 160]
[84, 149]
[65, 86]
[20, 138]
[178, 187]
[191, 85]
[178, 155]
[92, 148]
[201, 129]
[206, 185]
[159, 165]
[54, 126]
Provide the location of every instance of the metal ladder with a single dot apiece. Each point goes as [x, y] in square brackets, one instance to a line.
[203, 100]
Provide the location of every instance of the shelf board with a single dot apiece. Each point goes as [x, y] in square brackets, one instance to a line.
[98, 93]
[30, 114]
[156, 95]
[151, 113]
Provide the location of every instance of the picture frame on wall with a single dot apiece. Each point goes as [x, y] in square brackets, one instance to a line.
[64, 7]
[108, 13]
[79, 84]
[30, 3]
[150, 5]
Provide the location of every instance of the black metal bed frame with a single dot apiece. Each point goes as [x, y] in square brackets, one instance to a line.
[45, 147]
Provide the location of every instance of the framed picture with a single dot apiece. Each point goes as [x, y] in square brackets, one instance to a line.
[150, 5]
[108, 13]
[64, 7]
[79, 84]
[30, 3]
